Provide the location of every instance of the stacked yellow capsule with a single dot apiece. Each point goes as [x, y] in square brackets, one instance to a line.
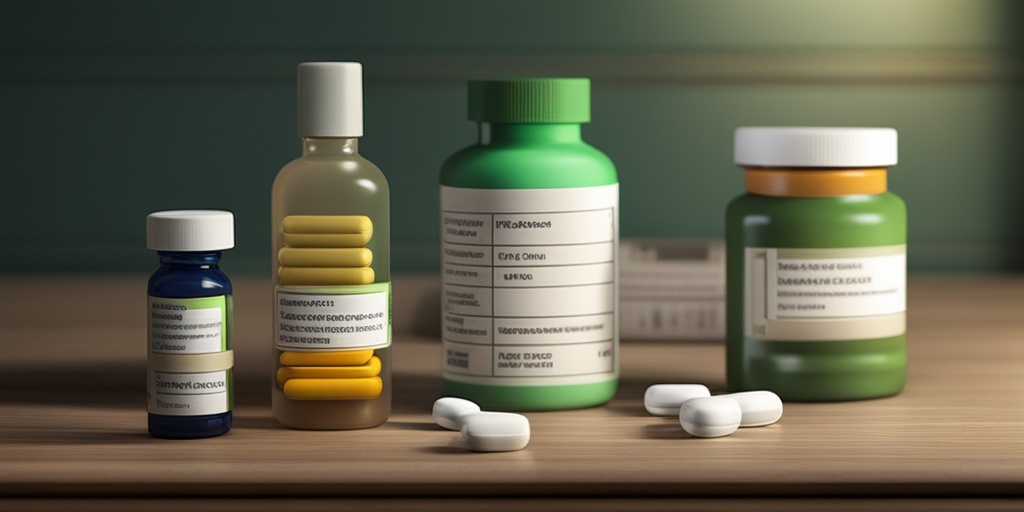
[327, 250]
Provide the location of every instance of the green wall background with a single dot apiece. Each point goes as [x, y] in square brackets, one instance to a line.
[112, 109]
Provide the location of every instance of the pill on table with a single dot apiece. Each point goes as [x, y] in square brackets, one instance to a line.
[370, 369]
[332, 358]
[333, 389]
[666, 399]
[449, 410]
[326, 240]
[321, 276]
[713, 416]
[495, 431]
[759, 408]
[326, 224]
[324, 257]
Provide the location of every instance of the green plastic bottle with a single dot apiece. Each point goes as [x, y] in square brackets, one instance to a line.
[816, 258]
[529, 232]
[330, 228]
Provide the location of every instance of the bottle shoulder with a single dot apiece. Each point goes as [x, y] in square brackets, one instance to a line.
[343, 167]
[755, 203]
[528, 165]
[849, 221]
[356, 177]
[185, 282]
[497, 152]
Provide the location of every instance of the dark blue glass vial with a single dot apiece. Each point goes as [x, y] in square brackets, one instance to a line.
[190, 361]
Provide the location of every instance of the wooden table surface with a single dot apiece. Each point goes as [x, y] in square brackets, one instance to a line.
[73, 421]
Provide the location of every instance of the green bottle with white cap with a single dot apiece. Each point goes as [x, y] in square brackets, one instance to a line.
[816, 257]
[529, 236]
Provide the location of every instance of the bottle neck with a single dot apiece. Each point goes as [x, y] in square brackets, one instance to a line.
[189, 259]
[768, 181]
[329, 147]
[505, 133]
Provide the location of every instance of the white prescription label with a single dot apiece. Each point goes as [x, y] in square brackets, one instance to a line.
[189, 394]
[188, 326]
[529, 283]
[825, 294]
[348, 317]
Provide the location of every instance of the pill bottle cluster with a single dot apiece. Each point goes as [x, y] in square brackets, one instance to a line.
[529, 224]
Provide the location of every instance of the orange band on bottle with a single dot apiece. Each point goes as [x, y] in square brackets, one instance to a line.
[815, 183]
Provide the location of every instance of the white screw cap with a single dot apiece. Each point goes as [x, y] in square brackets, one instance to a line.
[330, 99]
[190, 230]
[776, 146]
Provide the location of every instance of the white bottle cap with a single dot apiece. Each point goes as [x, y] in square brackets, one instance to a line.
[771, 146]
[330, 99]
[190, 230]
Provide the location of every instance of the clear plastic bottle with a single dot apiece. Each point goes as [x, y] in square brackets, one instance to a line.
[816, 258]
[331, 255]
[529, 228]
[191, 361]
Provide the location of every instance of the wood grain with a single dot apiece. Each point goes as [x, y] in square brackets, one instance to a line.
[73, 420]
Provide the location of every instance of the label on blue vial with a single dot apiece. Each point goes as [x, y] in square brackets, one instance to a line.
[189, 394]
[825, 294]
[188, 326]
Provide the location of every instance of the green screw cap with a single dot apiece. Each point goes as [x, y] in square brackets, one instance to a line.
[530, 100]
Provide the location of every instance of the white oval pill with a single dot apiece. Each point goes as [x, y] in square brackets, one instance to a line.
[666, 399]
[759, 408]
[495, 431]
[448, 410]
[713, 416]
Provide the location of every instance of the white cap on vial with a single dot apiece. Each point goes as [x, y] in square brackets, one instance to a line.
[190, 230]
[793, 146]
[330, 99]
